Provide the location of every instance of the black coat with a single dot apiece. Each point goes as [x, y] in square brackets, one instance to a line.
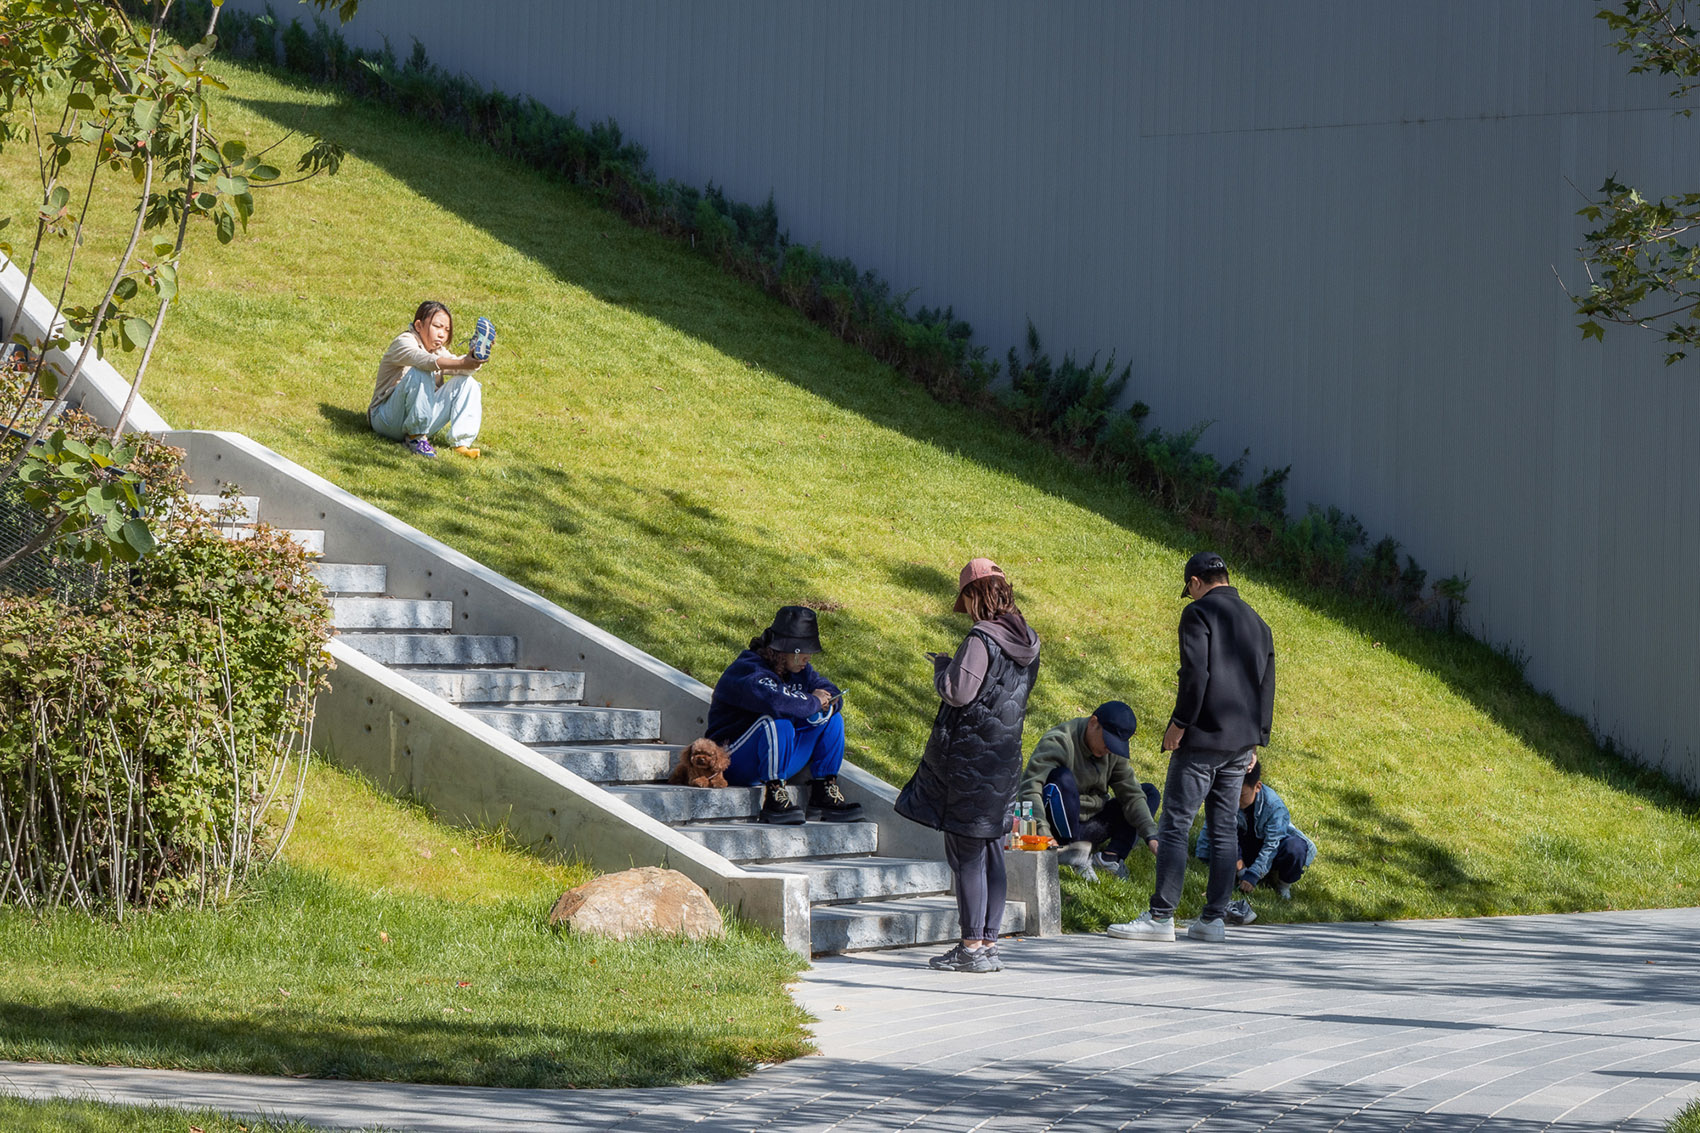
[972, 766]
[1226, 698]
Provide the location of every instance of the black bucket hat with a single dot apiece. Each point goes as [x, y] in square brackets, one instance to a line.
[795, 629]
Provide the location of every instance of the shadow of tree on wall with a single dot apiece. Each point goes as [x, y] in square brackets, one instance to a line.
[698, 601]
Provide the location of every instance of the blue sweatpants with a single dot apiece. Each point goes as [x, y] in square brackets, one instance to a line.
[777, 748]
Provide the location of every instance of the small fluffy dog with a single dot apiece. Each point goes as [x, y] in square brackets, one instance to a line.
[702, 764]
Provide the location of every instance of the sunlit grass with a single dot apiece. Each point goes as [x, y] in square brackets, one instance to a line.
[20, 1116]
[390, 947]
[672, 455]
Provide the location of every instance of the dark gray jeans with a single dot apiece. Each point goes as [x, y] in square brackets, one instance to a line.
[1211, 778]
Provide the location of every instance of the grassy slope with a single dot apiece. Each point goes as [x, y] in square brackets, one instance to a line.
[672, 455]
[19, 1116]
[391, 947]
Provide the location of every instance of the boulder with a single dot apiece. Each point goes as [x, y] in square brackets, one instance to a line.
[638, 901]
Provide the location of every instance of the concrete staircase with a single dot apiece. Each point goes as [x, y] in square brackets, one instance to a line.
[858, 899]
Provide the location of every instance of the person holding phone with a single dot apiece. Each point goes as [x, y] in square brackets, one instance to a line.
[776, 717]
[972, 764]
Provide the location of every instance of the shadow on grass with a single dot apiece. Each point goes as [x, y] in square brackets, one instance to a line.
[372, 1047]
[722, 313]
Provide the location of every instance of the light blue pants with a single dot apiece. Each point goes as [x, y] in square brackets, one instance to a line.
[419, 407]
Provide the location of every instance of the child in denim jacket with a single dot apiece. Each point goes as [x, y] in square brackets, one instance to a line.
[1272, 849]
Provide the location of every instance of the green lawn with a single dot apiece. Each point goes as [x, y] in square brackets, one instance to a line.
[1687, 1121]
[671, 454]
[390, 947]
[18, 1116]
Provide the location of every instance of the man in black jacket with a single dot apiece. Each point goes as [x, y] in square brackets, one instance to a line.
[1223, 711]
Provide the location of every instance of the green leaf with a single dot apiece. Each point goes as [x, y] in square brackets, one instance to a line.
[233, 151]
[165, 282]
[58, 198]
[137, 535]
[126, 289]
[1591, 329]
[77, 100]
[264, 173]
[76, 448]
[135, 332]
[145, 114]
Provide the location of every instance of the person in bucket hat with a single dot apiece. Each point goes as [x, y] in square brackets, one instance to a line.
[777, 717]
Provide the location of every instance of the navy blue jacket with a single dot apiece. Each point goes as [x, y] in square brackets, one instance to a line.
[749, 689]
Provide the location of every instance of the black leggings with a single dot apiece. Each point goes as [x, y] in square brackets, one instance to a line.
[981, 886]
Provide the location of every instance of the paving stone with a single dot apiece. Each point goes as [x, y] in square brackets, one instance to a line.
[571, 723]
[500, 686]
[391, 614]
[754, 841]
[435, 650]
[351, 578]
[615, 763]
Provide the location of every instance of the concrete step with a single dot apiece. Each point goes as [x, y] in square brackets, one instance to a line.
[572, 723]
[832, 880]
[678, 805]
[352, 578]
[391, 613]
[501, 686]
[616, 763]
[313, 542]
[247, 507]
[435, 650]
[757, 842]
[895, 924]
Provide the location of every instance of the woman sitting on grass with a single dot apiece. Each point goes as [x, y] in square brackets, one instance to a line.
[423, 389]
[972, 764]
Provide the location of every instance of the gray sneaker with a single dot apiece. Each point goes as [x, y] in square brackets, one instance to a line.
[1078, 857]
[1211, 931]
[1240, 912]
[960, 959]
[1110, 864]
[991, 953]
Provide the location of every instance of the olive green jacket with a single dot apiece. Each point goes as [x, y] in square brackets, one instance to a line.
[1065, 746]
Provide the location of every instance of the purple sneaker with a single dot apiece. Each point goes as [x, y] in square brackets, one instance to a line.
[483, 338]
[419, 446]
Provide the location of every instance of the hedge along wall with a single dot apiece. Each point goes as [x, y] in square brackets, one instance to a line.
[1329, 228]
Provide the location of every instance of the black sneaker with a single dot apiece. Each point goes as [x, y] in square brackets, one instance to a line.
[777, 807]
[828, 804]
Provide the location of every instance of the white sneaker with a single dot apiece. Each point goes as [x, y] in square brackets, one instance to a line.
[1285, 892]
[1211, 931]
[1146, 927]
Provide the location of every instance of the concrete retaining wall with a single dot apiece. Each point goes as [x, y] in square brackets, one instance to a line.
[416, 744]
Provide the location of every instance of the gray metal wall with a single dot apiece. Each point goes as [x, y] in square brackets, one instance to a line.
[1331, 226]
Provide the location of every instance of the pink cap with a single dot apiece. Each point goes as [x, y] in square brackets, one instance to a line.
[973, 572]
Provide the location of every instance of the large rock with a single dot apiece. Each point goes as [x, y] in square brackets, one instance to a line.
[638, 901]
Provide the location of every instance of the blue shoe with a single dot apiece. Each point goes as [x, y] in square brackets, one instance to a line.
[483, 338]
[419, 446]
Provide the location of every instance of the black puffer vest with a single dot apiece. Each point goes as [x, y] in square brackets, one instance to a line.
[972, 765]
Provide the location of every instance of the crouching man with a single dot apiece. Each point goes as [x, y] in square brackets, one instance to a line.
[777, 717]
[1070, 779]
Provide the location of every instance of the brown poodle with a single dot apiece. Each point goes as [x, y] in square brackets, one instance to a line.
[702, 764]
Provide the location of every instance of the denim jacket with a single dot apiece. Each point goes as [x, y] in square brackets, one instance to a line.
[1267, 819]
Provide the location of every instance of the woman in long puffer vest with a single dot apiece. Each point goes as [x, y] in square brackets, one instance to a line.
[972, 764]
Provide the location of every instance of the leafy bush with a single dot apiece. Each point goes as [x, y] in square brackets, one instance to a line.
[152, 744]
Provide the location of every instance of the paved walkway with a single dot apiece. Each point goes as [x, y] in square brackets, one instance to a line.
[1519, 1023]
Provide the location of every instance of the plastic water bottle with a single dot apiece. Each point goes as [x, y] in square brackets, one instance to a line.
[1012, 827]
[1028, 826]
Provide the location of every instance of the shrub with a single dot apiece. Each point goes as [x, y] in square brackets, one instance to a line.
[153, 744]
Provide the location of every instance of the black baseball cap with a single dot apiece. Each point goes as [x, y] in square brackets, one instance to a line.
[1199, 565]
[1118, 724]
